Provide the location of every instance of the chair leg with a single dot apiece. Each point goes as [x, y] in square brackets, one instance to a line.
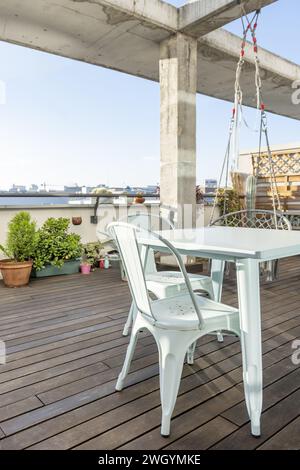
[172, 349]
[129, 320]
[129, 355]
[272, 270]
[220, 337]
[190, 353]
[122, 271]
[276, 265]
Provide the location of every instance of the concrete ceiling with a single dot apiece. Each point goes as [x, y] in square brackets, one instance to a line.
[124, 35]
[201, 17]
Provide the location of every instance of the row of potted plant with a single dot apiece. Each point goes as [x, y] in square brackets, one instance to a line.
[47, 251]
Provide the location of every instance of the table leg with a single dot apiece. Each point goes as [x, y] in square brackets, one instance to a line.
[250, 320]
[217, 274]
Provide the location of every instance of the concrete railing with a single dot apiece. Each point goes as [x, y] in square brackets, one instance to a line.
[106, 213]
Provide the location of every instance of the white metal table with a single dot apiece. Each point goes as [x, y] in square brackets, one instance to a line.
[247, 248]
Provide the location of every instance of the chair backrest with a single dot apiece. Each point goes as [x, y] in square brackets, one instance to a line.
[150, 222]
[254, 218]
[140, 219]
[127, 237]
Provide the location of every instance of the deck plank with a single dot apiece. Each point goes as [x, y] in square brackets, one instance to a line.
[286, 439]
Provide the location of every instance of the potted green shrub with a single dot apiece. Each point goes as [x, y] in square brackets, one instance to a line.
[57, 251]
[139, 198]
[91, 254]
[20, 248]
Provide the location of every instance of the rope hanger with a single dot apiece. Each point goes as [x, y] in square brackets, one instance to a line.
[232, 150]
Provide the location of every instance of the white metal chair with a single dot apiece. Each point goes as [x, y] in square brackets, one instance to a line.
[164, 283]
[175, 322]
[259, 219]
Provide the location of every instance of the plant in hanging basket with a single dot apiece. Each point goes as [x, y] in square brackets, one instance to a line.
[105, 195]
[76, 220]
[20, 248]
[199, 195]
[139, 198]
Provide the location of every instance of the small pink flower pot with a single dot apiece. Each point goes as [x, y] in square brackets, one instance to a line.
[85, 268]
[101, 264]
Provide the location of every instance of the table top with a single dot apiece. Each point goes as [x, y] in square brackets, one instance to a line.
[229, 242]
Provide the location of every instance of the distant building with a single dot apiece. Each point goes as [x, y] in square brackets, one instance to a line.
[16, 188]
[210, 184]
[117, 190]
[33, 188]
[73, 189]
[151, 189]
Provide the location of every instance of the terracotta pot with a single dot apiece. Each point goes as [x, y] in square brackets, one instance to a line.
[76, 220]
[139, 200]
[85, 268]
[15, 274]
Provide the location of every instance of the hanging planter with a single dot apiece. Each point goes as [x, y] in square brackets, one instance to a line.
[76, 220]
[139, 199]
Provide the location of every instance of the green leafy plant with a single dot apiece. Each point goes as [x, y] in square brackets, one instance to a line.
[21, 239]
[228, 201]
[91, 253]
[199, 195]
[102, 192]
[55, 245]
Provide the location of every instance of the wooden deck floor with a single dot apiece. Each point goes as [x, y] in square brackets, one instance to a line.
[65, 350]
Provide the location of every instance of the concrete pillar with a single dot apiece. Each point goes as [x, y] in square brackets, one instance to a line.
[178, 85]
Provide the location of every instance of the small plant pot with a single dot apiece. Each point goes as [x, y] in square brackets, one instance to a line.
[76, 220]
[85, 268]
[101, 263]
[139, 200]
[15, 274]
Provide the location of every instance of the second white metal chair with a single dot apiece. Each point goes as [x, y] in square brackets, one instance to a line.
[164, 283]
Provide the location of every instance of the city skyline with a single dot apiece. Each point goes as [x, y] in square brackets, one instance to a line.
[64, 121]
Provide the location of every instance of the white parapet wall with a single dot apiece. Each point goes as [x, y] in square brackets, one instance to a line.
[106, 213]
[41, 213]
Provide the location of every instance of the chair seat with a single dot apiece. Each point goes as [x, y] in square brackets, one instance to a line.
[178, 313]
[164, 283]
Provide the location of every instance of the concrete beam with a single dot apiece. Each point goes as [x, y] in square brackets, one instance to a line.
[156, 12]
[110, 33]
[217, 59]
[203, 16]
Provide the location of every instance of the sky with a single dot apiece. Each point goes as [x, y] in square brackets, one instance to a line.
[64, 121]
